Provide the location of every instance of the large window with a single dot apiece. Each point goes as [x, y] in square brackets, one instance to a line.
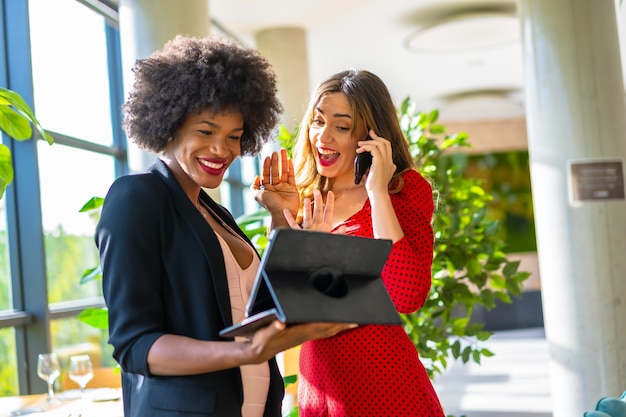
[70, 70]
[67, 67]
[63, 58]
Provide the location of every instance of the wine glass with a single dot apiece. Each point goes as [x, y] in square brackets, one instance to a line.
[81, 370]
[49, 370]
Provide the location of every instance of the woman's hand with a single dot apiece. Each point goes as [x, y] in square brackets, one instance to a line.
[201, 356]
[383, 168]
[277, 337]
[276, 188]
[316, 216]
[385, 223]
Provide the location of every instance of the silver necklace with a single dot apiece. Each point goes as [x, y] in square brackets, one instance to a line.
[201, 209]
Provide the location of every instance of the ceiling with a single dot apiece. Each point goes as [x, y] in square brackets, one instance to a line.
[469, 70]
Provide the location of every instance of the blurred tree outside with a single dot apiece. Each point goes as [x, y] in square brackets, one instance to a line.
[506, 177]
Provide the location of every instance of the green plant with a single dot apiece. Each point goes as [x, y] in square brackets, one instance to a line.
[469, 268]
[288, 380]
[16, 120]
[97, 317]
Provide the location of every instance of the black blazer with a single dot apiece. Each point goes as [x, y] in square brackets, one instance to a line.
[163, 272]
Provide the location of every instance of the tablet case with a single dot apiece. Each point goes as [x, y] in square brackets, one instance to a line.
[307, 276]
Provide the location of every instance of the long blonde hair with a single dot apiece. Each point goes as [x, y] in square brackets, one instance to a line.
[372, 105]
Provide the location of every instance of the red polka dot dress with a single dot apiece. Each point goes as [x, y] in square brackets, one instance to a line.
[375, 370]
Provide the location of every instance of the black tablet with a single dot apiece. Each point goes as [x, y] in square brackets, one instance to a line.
[307, 276]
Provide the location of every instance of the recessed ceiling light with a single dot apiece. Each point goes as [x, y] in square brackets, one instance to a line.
[465, 31]
[513, 94]
[498, 102]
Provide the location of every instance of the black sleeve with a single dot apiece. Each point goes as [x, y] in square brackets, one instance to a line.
[129, 241]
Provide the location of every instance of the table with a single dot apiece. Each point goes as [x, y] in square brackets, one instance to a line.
[97, 402]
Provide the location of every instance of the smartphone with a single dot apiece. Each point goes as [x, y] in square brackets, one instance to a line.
[362, 162]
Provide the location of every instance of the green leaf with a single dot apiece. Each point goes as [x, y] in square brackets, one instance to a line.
[286, 139]
[259, 241]
[95, 317]
[487, 298]
[520, 276]
[9, 97]
[514, 287]
[256, 217]
[486, 352]
[92, 204]
[492, 228]
[456, 349]
[510, 268]
[290, 379]
[473, 267]
[437, 129]
[473, 329]
[254, 231]
[467, 351]
[294, 412]
[477, 190]
[91, 274]
[3, 186]
[476, 356]
[458, 325]
[404, 106]
[483, 335]
[6, 168]
[433, 116]
[23, 110]
[503, 296]
[14, 124]
[497, 282]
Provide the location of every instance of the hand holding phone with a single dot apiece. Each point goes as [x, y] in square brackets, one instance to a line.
[362, 162]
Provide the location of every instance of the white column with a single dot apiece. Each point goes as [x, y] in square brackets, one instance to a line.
[575, 111]
[286, 49]
[145, 26]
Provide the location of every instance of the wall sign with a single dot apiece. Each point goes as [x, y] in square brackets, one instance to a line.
[596, 180]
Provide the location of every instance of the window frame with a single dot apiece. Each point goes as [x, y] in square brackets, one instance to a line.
[31, 315]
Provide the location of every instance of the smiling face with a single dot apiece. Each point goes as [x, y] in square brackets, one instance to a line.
[204, 147]
[333, 135]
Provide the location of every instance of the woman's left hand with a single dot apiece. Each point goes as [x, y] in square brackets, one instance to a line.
[383, 168]
[316, 216]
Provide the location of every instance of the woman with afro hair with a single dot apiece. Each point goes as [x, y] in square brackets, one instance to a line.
[176, 267]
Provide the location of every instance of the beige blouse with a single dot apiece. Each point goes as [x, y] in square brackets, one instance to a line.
[255, 378]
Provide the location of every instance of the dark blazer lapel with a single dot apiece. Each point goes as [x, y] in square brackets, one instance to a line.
[205, 235]
[227, 218]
